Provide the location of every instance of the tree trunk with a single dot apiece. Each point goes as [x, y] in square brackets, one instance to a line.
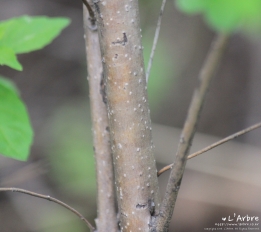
[128, 111]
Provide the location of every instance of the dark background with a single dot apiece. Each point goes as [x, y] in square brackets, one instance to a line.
[53, 85]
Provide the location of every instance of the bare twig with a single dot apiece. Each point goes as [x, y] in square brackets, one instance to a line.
[164, 169]
[49, 198]
[206, 74]
[155, 41]
[91, 14]
[233, 136]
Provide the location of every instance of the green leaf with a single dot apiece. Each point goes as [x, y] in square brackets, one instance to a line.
[15, 128]
[226, 15]
[26, 34]
[9, 85]
[8, 57]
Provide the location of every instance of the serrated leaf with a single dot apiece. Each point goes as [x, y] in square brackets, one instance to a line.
[8, 57]
[226, 15]
[15, 129]
[26, 34]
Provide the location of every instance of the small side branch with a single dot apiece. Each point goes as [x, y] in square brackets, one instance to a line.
[91, 14]
[166, 209]
[233, 136]
[46, 197]
[155, 41]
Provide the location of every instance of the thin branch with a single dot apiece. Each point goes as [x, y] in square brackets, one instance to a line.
[233, 136]
[206, 74]
[155, 41]
[164, 169]
[91, 14]
[46, 197]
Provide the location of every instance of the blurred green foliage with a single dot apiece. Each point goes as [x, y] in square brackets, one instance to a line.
[61, 220]
[71, 151]
[161, 72]
[226, 15]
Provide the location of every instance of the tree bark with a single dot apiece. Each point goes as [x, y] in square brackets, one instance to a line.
[107, 220]
[128, 111]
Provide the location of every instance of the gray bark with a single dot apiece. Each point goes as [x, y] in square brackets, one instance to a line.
[107, 220]
[128, 110]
